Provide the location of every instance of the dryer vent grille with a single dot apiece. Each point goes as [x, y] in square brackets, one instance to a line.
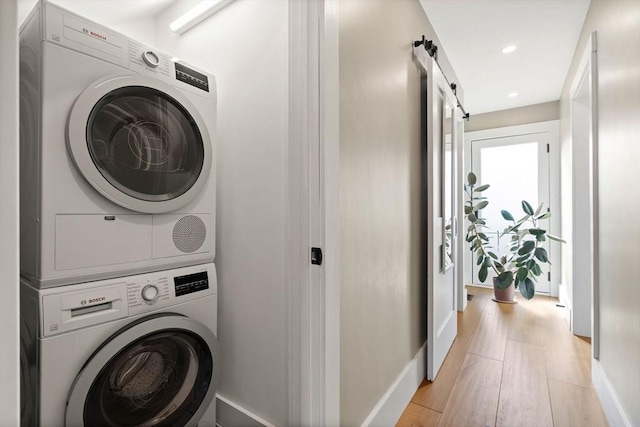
[189, 233]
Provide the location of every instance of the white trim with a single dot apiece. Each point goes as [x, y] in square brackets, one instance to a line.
[239, 416]
[581, 190]
[9, 216]
[461, 243]
[330, 176]
[552, 127]
[393, 402]
[298, 218]
[611, 404]
[314, 216]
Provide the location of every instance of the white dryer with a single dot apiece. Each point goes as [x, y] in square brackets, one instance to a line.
[117, 154]
[135, 351]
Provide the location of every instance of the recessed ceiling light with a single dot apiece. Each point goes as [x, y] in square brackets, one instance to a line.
[509, 49]
[513, 94]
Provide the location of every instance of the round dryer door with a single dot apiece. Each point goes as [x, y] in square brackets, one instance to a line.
[141, 143]
[160, 371]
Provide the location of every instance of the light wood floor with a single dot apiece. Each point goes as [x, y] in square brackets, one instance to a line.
[510, 365]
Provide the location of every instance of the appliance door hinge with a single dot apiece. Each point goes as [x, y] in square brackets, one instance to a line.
[316, 256]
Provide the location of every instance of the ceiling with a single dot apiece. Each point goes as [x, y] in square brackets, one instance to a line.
[474, 32]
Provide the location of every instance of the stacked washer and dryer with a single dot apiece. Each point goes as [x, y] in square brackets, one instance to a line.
[118, 289]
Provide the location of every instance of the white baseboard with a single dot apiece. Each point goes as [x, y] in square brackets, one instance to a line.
[611, 405]
[230, 414]
[389, 408]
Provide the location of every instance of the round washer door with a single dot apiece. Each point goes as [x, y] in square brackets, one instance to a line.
[140, 143]
[159, 371]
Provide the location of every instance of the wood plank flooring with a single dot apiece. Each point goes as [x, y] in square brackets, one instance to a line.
[510, 365]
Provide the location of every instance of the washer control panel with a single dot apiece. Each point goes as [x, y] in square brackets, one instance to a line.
[151, 291]
[148, 291]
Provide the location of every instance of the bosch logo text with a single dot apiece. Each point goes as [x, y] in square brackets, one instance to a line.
[94, 34]
[94, 300]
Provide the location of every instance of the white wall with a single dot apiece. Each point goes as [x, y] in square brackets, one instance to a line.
[515, 116]
[9, 221]
[245, 45]
[617, 23]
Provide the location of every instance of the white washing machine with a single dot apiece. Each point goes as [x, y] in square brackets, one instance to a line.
[117, 154]
[135, 351]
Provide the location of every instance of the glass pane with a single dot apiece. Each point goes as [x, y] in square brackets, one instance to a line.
[159, 380]
[145, 143]
[511, 182]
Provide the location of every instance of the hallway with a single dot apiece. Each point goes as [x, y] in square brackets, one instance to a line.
[510, 365]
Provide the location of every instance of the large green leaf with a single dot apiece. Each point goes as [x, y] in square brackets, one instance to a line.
[504, 280]
[527, 247]
[481, 188]
[557, 239]
[537, 231]
[536, 270]
[468, 209]
[527, 288]
[506, 215]
[540, 238]
[526, 207]
[498, 267]
[480, 259]
[471, 178]
[483, 204]
[541, 254]
[538, 210]
[472, 217]
[522, 274]
[545, 215]
[482, 274]
[492, 255]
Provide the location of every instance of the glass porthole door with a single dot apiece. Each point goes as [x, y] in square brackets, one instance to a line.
[159, 372]
[140, 143]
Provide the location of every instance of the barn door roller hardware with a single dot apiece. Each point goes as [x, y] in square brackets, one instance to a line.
[432, 50]
[429, 46]
[454, 88]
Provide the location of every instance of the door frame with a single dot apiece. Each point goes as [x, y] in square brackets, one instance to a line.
[541, 141]
[313, 214]
[551, 127]
[587, 69]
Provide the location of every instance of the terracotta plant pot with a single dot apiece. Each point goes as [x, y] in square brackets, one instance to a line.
[503, 295]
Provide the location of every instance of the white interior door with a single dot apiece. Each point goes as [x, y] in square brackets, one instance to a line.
[517, 168]
[442, 321]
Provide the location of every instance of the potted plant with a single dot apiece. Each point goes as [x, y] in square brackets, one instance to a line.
[520, 266]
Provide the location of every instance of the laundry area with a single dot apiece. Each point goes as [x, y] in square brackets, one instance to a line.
[251, 213]
[152, 209]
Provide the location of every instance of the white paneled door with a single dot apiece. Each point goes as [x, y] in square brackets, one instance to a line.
[441, 228]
